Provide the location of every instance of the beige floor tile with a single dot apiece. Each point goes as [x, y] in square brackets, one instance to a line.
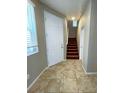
[69, 74]
[69, 86]
[87, 84]
[86, 92]
[54, 86]
[49, 74]
[65, 77]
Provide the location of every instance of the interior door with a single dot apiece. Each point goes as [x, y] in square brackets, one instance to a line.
[54, 38]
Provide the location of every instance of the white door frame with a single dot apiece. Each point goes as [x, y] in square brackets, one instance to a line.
[81, 43]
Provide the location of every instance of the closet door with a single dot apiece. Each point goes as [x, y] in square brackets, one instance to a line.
[54, 38]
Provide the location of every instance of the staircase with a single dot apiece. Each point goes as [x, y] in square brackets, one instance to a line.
[72, 50]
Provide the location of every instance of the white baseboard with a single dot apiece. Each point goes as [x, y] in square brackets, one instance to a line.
[40, 75]
[88, 73]
[37, 78]
[64, 60]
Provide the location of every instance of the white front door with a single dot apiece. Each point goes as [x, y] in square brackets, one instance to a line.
[54, 38]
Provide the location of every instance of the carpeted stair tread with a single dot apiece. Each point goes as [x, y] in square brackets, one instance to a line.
[72, 49]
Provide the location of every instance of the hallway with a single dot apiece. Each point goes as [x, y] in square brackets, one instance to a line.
[62, 46]
[65, 77]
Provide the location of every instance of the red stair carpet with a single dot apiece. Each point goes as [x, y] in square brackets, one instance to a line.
[72, 50]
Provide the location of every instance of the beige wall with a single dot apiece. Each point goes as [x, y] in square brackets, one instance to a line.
[37, 62]
[65, 38]
[92, 57]
[84, 24]
[88, 22]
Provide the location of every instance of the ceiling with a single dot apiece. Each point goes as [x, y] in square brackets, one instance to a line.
[69, 8]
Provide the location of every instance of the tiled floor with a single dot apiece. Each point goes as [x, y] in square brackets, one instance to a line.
[65, 77]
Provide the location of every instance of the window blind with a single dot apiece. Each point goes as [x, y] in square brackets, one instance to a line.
[32, 46]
